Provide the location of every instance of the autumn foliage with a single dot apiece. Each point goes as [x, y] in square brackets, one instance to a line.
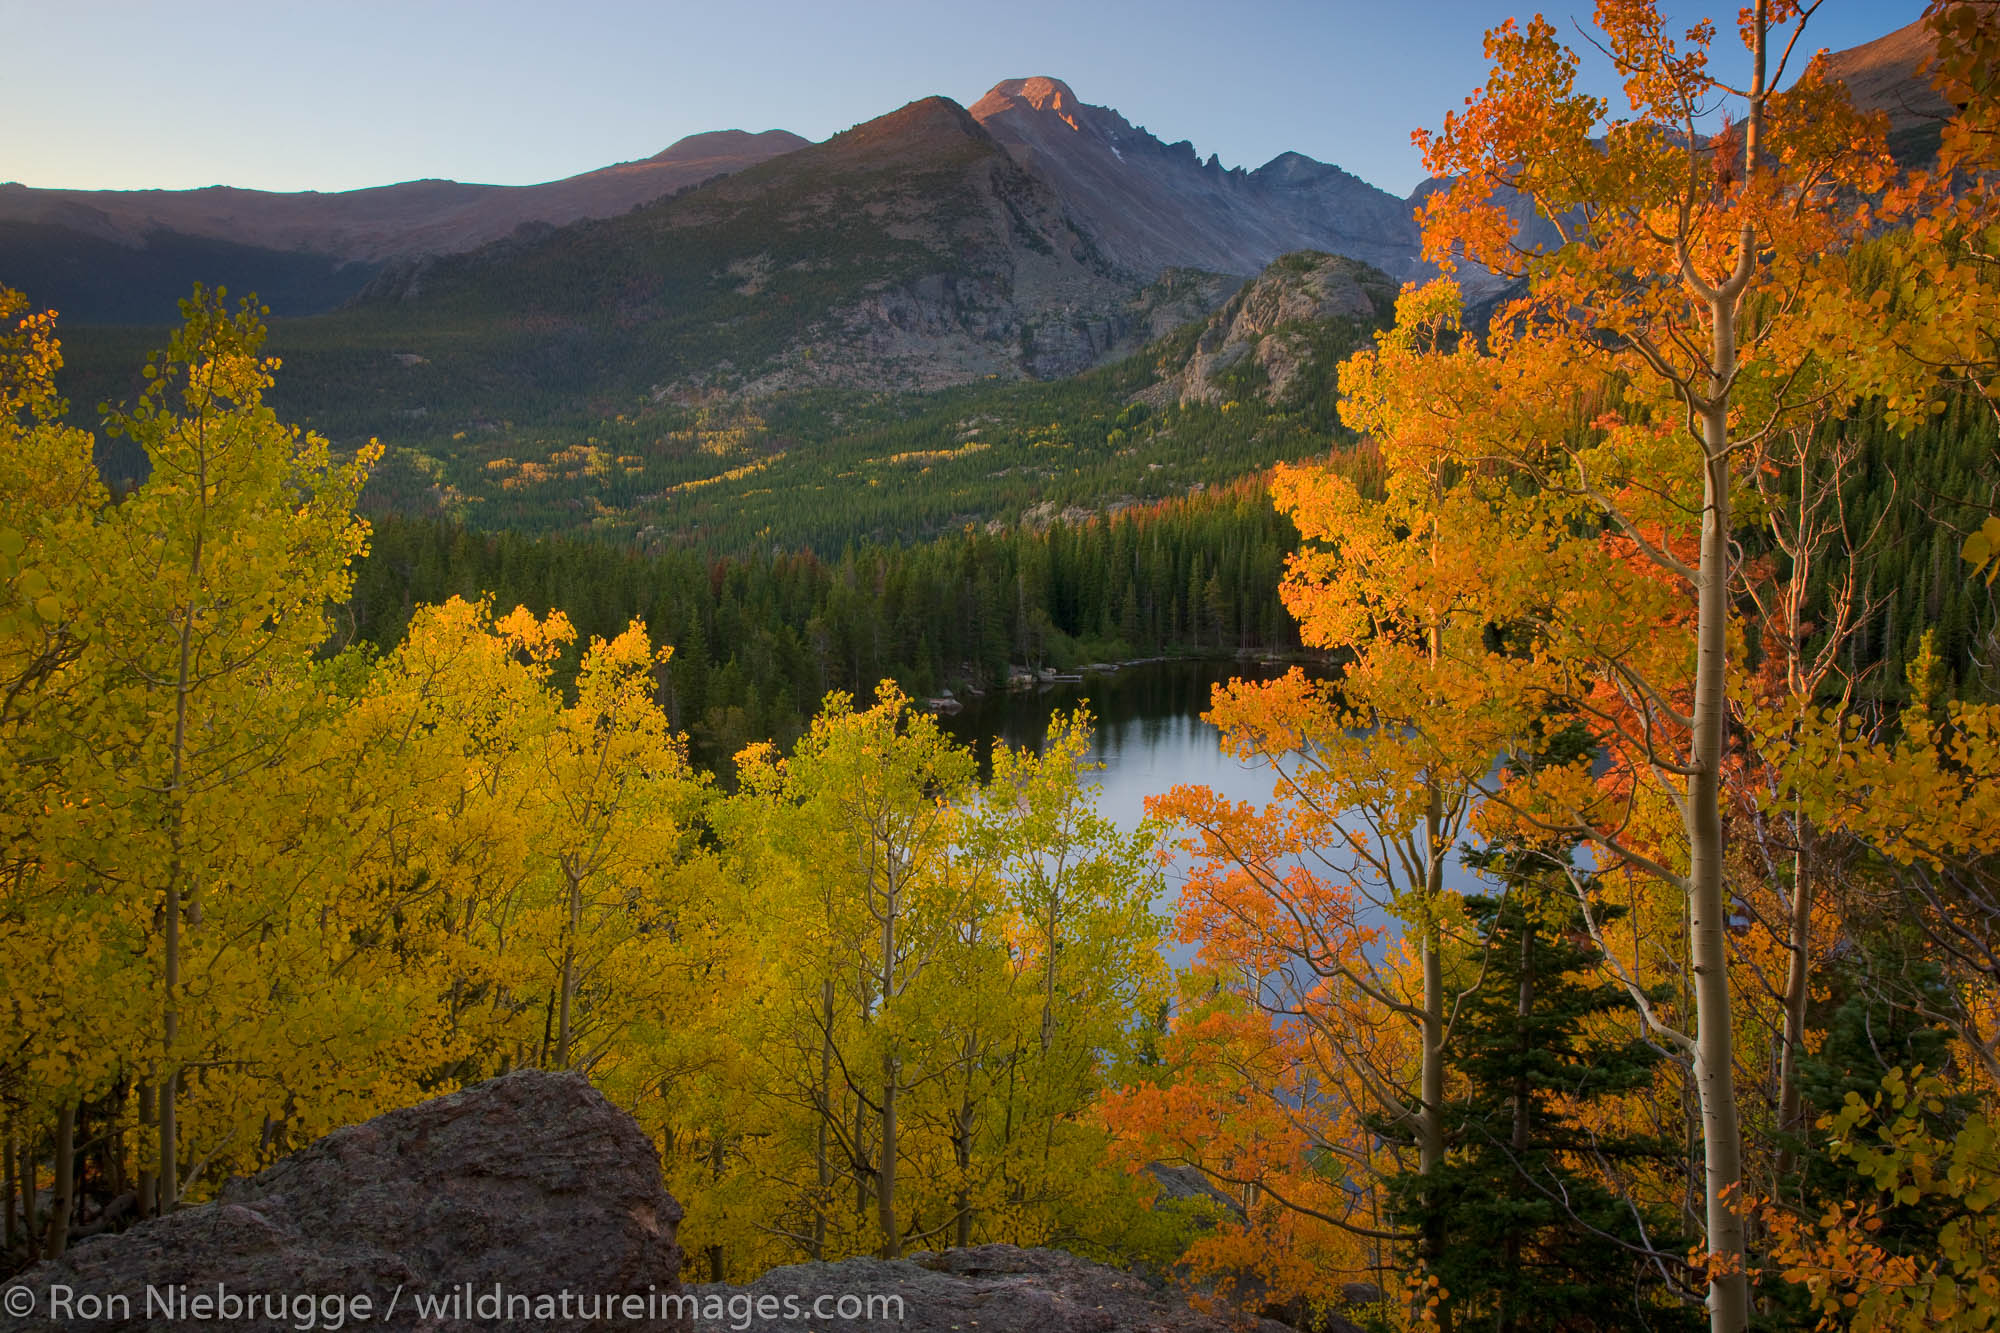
[1609, 953]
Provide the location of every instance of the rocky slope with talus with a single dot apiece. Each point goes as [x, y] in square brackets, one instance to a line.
[1281, 336]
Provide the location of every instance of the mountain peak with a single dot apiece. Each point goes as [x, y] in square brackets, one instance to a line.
[1149, 206]
[1040, 93]
[719, 143]
[928, 121]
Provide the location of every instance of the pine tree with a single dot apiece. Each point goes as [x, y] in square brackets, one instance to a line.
[1879, 1019]
[1534, 1231]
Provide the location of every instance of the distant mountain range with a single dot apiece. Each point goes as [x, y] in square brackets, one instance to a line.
[64, 246]
[416, 217]
[1032, 235]
[1146, 207]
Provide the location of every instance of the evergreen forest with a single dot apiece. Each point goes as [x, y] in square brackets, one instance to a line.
[1618, 946]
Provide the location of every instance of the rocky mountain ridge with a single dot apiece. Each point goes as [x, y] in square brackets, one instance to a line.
[1282, 333]
[933, 246]
[126, 256]
[1150, 205]
[1886, 75]
[1032, 235]
[908, 253]
[1144, 207]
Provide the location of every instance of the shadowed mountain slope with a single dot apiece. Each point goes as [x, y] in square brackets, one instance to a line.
[1884, 75]
[116, 256]
[910, 252]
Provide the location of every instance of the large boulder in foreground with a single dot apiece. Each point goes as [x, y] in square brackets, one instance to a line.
[985, 1289]
[531, 1184]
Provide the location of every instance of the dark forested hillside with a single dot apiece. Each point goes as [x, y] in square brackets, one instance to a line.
[763, 628]
[127, 256]
[97, 280]
[760, 639]
[1911, 498]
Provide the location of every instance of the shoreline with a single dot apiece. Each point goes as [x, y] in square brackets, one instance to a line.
[1022, 679]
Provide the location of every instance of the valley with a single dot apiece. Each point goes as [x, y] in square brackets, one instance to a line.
[983, 706]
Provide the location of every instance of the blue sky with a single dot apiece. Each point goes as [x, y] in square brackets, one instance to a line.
[338, 94]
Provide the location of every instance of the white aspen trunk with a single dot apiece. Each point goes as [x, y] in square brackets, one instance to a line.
[716, 1160]
[1049, 976]
[1430, 1152]
[8, 1202]
[1432, 1142]
[31, 1210]
[820, 1159]
[63, 1201]
[885, 1175]
[1708, 898]
[575, 921]
[860, 1164]
[149, 1179]
[1708, 895]
[169, 1185]
[1797, 991]
[963, 1148]
[177, 816]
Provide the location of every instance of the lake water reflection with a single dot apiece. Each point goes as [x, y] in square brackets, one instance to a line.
[1149, 737]
[1149, 729]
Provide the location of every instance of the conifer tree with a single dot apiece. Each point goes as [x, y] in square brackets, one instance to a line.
[1879, 1019]
[1537, 1232]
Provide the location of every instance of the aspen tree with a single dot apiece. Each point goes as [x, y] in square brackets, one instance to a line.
[205, 594]
[1696, 263]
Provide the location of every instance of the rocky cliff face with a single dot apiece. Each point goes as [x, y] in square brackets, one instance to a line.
[531, 1184]
[1149, 205]
[993, 277]
[1302, 315]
